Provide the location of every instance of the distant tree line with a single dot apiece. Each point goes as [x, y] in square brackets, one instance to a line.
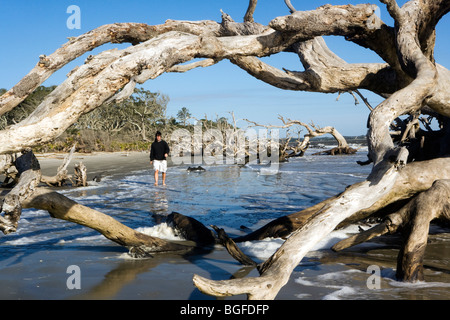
[129, 125]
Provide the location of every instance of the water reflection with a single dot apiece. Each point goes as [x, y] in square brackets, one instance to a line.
[159, 204]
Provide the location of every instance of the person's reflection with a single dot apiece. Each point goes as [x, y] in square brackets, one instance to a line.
[160, 205]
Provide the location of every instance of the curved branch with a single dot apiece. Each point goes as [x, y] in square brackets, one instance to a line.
[325, 72]
[133, 33]
[250, 10]
[270, 74]
[290, 6]
[275, 271]
[61, 207]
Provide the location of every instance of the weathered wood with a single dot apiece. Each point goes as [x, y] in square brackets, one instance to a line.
[427, 206]
[29, 176]
[232, 248]
[414, 220]
[115, 33]
[80, 175]
[61, 174]
[276, 270]
[413, 179]
[61, 207]
[410, 79]
[337, 151]
[303, 144]
[191, 229]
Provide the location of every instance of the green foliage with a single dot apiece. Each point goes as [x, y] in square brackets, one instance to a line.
[22, 111]
[126, 126]
[183, 115]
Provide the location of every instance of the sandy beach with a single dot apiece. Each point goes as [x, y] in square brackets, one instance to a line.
[36, 269]
[97, 163]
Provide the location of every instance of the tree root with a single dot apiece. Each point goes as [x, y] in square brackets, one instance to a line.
[232, 248]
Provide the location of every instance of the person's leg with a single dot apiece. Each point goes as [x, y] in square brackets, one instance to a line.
[156, 177]
[163, 170]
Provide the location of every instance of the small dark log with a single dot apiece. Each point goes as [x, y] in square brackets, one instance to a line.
[191, 229]
[232, 248]
[61, 207]
[337, 151]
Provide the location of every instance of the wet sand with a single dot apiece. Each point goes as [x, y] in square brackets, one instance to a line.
[39, 272]
[97, 163]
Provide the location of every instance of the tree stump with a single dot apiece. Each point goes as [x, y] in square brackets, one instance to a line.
[80, 175]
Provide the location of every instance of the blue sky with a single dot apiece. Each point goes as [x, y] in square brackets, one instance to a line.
[30, 28]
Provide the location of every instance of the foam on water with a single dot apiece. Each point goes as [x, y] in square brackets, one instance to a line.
[352, 284]
[163, 231]
[228, 196]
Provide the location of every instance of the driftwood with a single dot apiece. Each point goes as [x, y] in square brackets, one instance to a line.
[409, 78]
[80, 175]
[61, 175]
[29, 176]
[414, 218]
[287, 150]
[337, 151]
[232, 248]
[61, 207]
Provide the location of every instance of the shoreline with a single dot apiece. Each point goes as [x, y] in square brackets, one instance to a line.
[322, 274]
[97, 163]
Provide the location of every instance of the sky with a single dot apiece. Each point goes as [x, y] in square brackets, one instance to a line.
[31, 28]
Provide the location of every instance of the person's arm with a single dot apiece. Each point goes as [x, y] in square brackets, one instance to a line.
[166, 150]
[152, 154]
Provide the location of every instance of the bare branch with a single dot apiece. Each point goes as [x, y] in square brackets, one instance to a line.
[327, 20]
[184, 68]
[290, 6]
[250, 10]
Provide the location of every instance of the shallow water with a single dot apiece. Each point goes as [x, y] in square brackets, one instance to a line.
[35, 259]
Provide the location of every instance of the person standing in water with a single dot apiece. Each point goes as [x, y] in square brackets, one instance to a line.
[159, 151]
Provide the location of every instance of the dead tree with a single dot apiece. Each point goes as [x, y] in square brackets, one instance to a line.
[409, 79]
[215, 140]
[61, 175]
[287, 150]
[80, 175]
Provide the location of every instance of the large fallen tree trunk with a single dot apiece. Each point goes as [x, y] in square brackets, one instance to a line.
[61, 207]
[29, 176]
